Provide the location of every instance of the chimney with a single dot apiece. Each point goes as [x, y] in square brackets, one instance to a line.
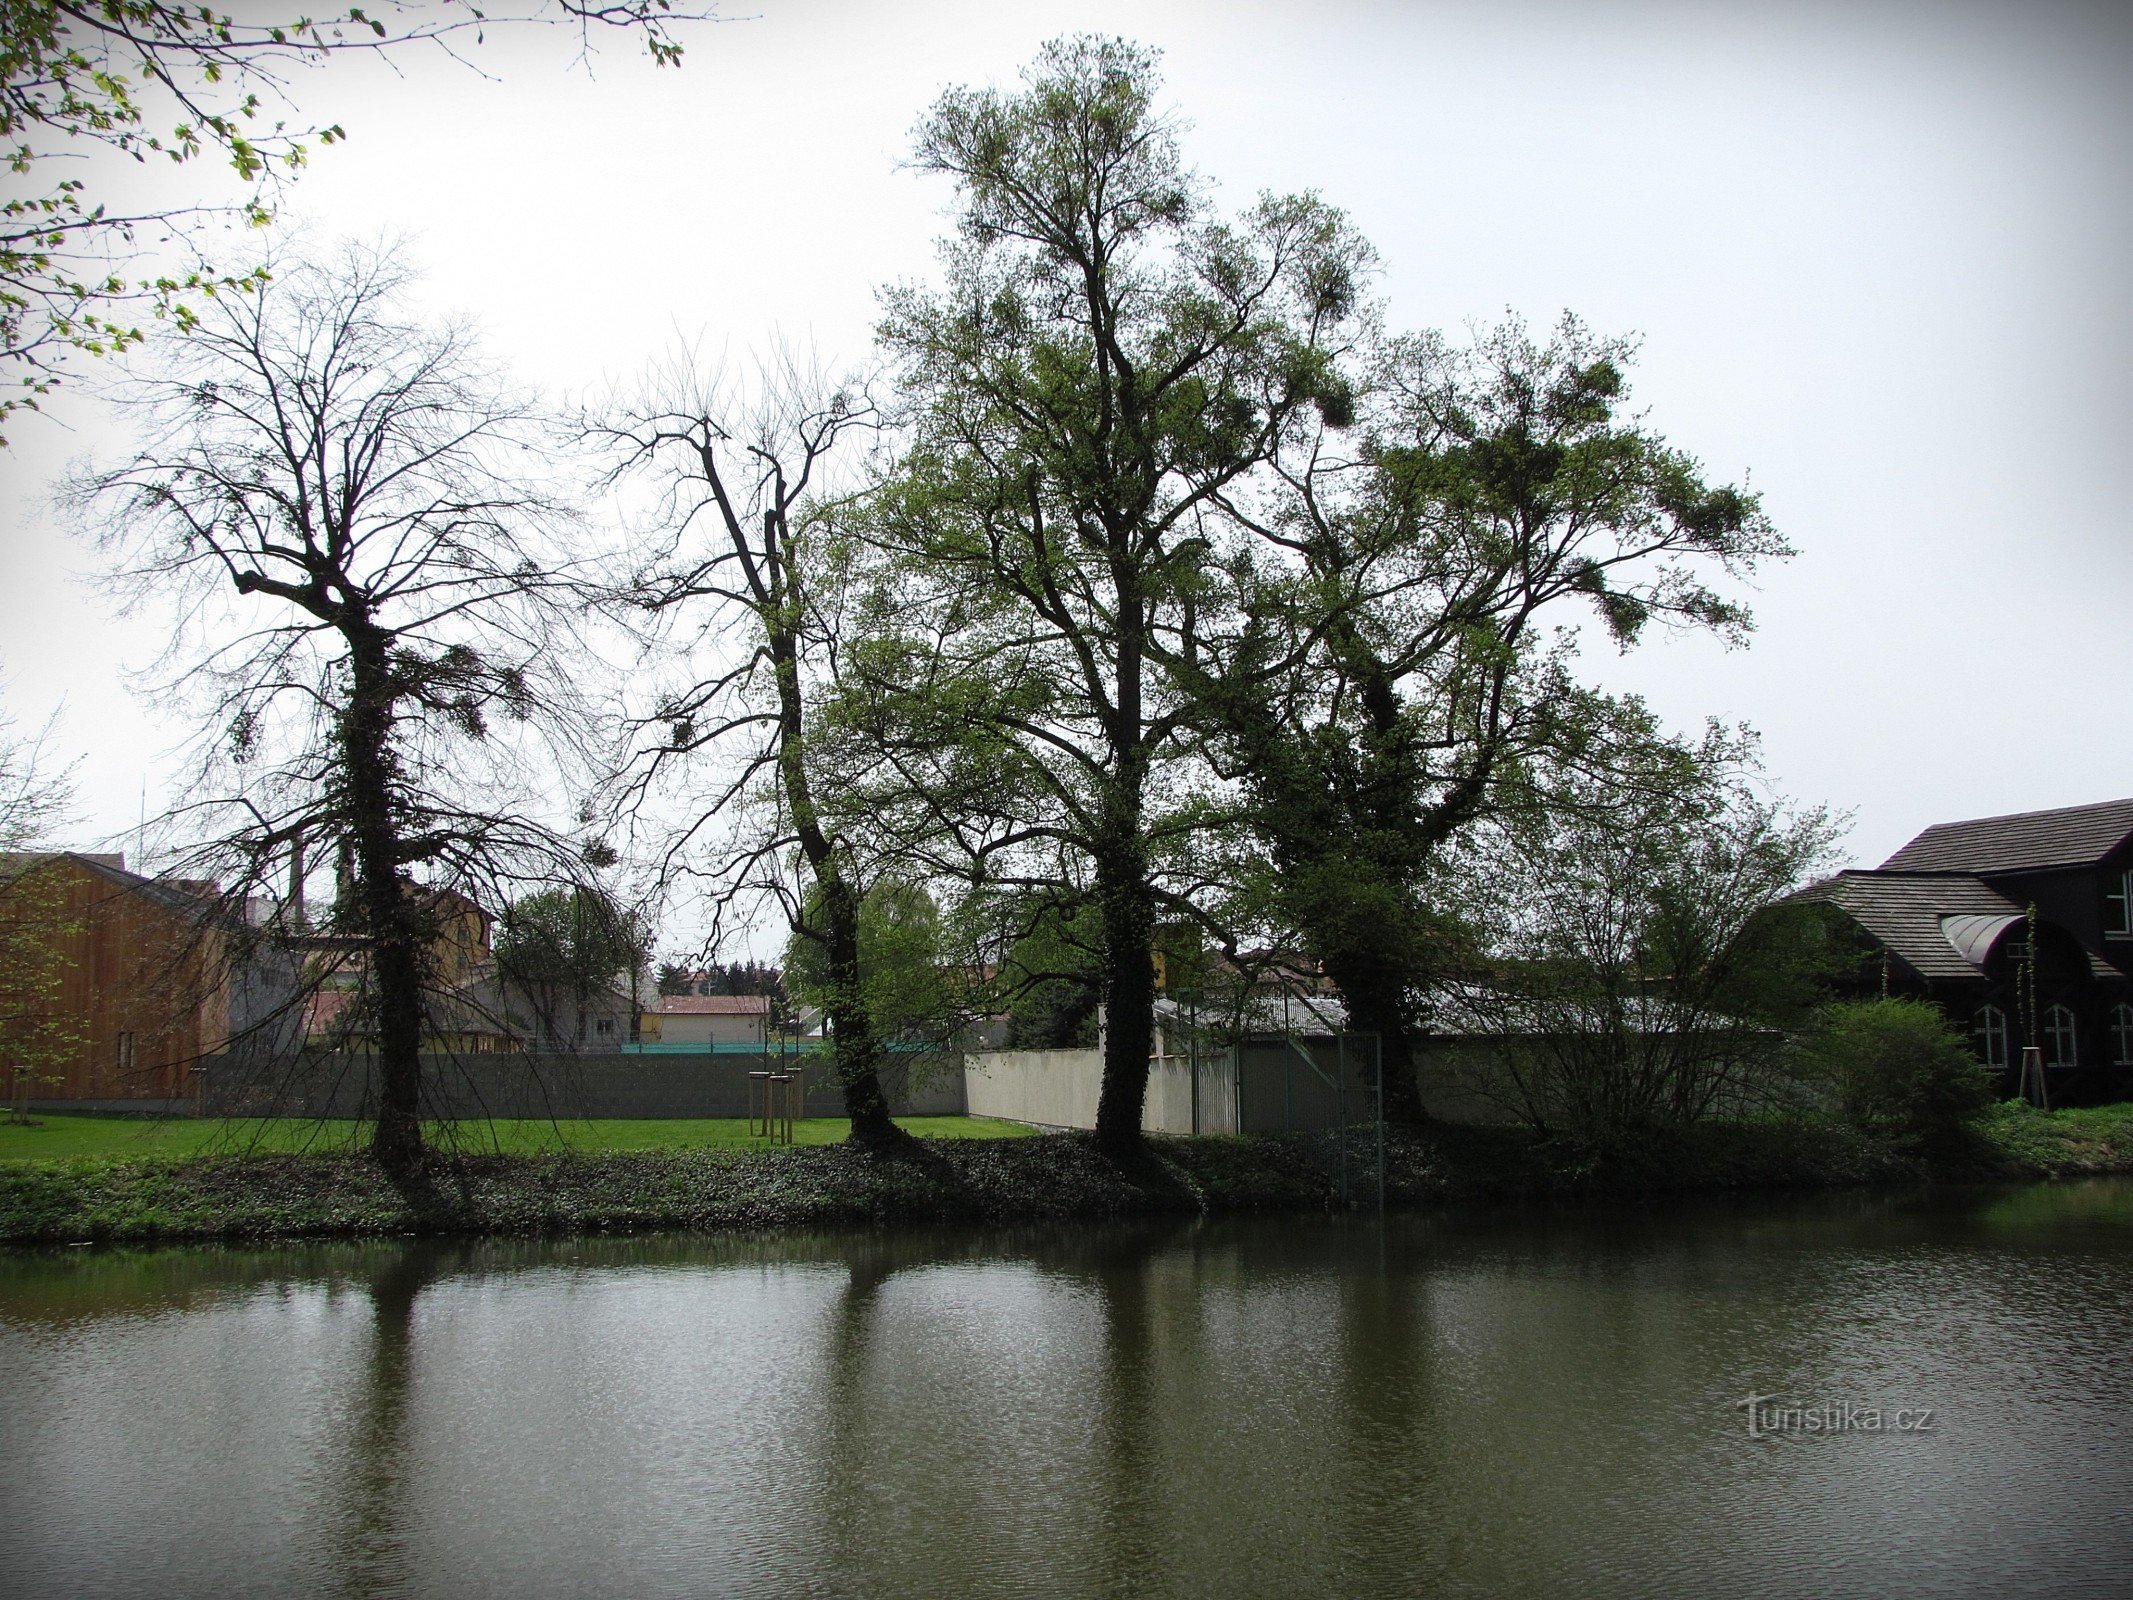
[344, 873]
[294, 905]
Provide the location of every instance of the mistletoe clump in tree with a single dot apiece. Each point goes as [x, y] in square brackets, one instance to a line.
[1406, 672]
[1107, 361]
[374, 622]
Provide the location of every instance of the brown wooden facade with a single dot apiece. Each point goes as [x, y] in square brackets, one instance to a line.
[2021, 929]
[145, 978]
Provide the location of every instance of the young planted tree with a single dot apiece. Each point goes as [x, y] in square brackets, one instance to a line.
[1403, 674]
[373, 621]
[751, 580]
[1105, 361]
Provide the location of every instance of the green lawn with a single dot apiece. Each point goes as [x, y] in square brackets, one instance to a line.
[2082, 1139]
[60, 1138]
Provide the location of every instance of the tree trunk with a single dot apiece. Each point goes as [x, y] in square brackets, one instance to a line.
[1374, 997]
[389, 919]
[1129, 993]
[855, 1050]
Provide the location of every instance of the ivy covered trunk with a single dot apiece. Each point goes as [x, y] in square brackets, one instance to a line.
[388, 917]
[1125, 899]
[855, 1049]
[1376, 1000]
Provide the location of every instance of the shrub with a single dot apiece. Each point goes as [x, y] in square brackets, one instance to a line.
[1899, 1070]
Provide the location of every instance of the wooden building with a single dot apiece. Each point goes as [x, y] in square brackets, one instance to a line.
[150, 976]
[2021, 929]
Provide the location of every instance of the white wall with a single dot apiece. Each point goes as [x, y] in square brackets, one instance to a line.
[1059, 1088]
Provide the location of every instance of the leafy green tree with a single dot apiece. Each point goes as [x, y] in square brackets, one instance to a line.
[559, 945]
[1403, 675]
[909, 994]
[1106, 364]
[1901, 1070]
[38, 1036]
[1051, 979]
[158, 81]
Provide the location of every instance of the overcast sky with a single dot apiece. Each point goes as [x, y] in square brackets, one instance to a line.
[1876, 255]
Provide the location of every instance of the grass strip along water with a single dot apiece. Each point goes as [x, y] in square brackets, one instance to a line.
[635, 1185]
[59, 1137]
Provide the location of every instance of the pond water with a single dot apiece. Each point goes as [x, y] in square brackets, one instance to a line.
[1516, 1402]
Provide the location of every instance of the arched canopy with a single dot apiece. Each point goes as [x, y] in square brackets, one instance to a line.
[1974, 936]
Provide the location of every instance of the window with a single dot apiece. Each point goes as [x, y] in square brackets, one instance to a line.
[2118, 904]
[2122, 1036]
[2059, 1039]
[604, 1027]
[2015, 949]
[1989, 1028]
[125, 1052]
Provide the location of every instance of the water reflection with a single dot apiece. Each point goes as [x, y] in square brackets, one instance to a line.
[369, 1543]
[1128, 1534]
[1514, 1402]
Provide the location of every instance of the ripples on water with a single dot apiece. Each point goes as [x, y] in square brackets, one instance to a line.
[1526, 1403]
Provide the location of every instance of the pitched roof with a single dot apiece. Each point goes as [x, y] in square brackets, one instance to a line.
[2074, 836]
[713, 1005]
[195, 899]
[1940, 924]
[1903, 913]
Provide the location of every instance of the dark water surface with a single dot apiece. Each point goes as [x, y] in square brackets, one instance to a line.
[1530, 1402]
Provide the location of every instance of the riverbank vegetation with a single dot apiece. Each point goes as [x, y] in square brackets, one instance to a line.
[630, 1184]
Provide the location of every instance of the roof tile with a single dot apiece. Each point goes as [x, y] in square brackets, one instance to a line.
[2074, 836]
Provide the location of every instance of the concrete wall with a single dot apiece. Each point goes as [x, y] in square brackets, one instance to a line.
[1052, 1088]
[670, 1084]
[1059, 1089]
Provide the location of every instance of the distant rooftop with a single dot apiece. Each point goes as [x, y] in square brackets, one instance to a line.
[712, 1005]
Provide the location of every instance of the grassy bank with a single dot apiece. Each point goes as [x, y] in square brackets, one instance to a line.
[709, 1185]
[58, 1137]
[2019, 1142]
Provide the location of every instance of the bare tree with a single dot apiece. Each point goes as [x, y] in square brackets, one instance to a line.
[36, 790]
[344, 506]
[749, 585]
